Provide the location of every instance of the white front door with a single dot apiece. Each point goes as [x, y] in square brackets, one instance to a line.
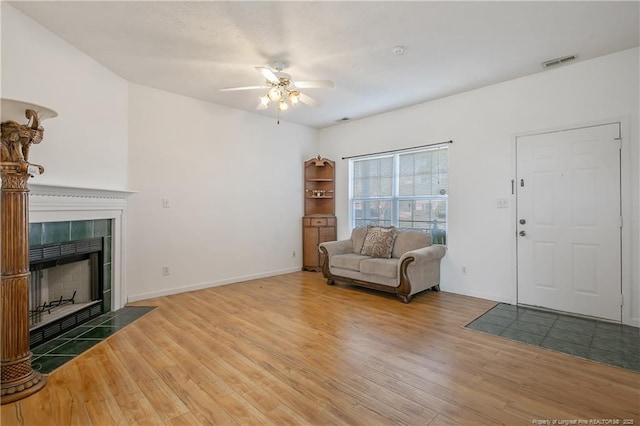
[569, 219]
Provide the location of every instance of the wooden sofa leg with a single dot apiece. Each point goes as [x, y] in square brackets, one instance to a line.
[405, 298]
[330, 281]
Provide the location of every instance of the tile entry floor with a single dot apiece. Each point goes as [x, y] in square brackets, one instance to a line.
[52, 354]
[601, 341]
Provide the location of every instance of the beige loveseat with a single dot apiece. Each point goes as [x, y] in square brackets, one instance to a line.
[411, 264]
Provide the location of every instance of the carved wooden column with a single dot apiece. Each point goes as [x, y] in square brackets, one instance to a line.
[18, 379]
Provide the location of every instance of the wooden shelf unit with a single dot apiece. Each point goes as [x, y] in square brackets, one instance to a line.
[319, 221]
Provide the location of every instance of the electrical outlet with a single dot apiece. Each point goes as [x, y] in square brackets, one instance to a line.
[464, 270]
[293, 253]
[165, 270]
[165, 203]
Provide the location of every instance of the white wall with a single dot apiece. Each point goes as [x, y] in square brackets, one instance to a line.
[234, 183]
[86, 145]
[483, 123]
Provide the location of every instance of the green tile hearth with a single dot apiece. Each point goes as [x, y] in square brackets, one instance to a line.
[46, 364]
[74, 347]
[54, 353]
[601, 341]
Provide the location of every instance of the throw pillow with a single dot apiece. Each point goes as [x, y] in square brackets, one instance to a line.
[379, 242]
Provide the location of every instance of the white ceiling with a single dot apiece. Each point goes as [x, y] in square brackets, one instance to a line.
[196, 48]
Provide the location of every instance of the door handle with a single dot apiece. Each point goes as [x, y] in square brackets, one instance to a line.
[522, 233]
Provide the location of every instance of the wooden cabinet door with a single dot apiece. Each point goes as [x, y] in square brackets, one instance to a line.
[326, 233]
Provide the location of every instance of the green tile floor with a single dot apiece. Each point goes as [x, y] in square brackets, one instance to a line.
[601, 341]
[52, 354]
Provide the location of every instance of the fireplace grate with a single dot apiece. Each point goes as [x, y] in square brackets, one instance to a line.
[47, 306]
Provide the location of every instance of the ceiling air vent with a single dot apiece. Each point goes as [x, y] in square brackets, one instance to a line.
[559, 61]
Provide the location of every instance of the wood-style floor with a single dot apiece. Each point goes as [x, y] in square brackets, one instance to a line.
[292, 350]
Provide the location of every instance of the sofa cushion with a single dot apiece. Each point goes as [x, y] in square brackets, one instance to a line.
[357, 238]
[349, 261]
[410, 239]
[381, 267]
[378, 242]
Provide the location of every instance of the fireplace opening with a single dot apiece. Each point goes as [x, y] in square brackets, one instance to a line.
[65, 288]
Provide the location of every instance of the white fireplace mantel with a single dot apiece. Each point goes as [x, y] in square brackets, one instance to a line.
[77, 192]
[54, 203]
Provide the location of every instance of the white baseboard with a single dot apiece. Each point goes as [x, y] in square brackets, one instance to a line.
[201, 286]
[492, 297]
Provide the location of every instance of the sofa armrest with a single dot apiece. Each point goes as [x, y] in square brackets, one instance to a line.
[420, 269]
[426, 254]
[337, 247]
[332, 248]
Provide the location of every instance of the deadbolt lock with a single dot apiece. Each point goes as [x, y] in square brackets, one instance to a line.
[522, 221]
[522, 233]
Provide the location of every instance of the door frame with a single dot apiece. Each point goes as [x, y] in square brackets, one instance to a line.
[625, 201]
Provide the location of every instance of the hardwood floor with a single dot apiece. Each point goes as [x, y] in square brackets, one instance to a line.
[292, 350]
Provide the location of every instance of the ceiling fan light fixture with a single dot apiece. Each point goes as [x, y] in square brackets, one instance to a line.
[294, 97]
[281, 90]
[275, 94]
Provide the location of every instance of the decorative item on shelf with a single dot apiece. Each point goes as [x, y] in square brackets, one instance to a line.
[19, 380]
[319, 193]
[17, 138]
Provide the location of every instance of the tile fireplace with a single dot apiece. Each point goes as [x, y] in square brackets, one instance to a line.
[70, 283]
[76, 257]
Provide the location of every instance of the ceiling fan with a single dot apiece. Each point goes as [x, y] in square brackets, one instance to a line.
[281, 89]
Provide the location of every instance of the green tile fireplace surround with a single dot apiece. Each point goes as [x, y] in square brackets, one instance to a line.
[45, 233]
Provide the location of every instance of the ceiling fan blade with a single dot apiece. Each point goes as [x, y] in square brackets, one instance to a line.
[306, 99]
[314, 84]
[236, 89]
[269, 75]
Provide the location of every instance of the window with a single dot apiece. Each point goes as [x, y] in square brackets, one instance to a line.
[406, 189]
